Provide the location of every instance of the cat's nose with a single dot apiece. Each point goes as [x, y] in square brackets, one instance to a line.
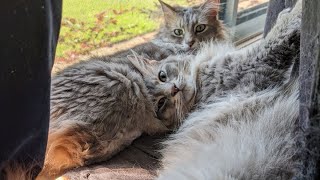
[174, 90]
[191, 43]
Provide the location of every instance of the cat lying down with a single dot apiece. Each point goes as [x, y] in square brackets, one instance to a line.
[100, 106]
[236, 97]
[245, 124]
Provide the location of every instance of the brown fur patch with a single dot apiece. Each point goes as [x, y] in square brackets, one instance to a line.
[66, 149]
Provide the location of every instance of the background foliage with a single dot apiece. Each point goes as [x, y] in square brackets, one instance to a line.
[90, 24]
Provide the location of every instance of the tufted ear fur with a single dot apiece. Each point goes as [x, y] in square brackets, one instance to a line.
[145, 66]
[210, 7]
[168, 11]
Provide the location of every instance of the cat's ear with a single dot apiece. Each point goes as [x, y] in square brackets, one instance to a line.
[136, 57]
[168, 11]
[151, 62]
[145, 66]
[210, 7]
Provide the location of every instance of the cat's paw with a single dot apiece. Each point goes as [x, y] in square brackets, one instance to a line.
[156, 126]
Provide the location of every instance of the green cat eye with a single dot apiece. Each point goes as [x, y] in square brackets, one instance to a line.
[162, 76]
[178, 32]
[200, 28]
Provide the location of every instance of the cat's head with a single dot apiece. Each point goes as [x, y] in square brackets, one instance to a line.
[187, 27]
[170, 87]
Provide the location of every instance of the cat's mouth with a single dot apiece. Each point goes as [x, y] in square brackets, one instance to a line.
[190, 49]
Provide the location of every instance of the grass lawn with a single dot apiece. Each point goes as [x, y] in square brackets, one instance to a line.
[90, 24]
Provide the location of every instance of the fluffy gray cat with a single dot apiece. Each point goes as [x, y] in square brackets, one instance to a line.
[244, 125]
[183, 31]
[185, 28]
[100, 106]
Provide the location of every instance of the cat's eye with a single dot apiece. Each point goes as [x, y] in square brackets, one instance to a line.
[162, 76]
[200, 28]
[178, 32]
[161, 103]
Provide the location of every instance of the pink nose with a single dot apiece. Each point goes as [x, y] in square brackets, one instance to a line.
[174, 90]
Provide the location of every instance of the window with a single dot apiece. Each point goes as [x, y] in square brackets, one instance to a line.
[245, 18]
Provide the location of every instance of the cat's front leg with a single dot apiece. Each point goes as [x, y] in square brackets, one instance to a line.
[106, 147]
[154, 126]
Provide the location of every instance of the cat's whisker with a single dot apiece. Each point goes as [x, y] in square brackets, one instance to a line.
[180, 111]
[176, 116]
[178, 108]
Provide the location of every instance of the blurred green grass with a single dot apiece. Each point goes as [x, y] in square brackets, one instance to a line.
[90, 24]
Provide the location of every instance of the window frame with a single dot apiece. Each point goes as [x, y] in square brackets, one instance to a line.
[246, 24]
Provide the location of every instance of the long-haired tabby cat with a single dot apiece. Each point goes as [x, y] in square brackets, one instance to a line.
[245, 123]
[100, 106]
[183, 31]
[185, 28]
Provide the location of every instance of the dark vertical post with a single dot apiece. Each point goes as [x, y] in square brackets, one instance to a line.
[274, 8]
[309, 80]
[309, 66]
